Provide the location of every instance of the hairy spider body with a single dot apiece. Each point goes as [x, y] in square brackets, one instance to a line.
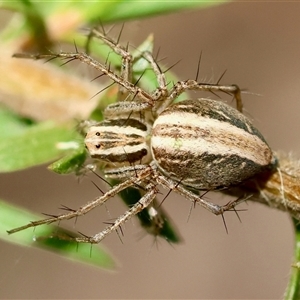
[208, 145]
[147, 140]
[203, 144]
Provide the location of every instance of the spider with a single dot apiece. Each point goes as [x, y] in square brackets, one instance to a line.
[147, 140]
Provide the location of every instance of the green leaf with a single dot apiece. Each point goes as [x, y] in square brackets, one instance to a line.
[49, 237]
[11, 124]
[34, 145]
[118, 11]
[69, 163]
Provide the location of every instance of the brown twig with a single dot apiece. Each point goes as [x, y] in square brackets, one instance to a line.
[279, 189]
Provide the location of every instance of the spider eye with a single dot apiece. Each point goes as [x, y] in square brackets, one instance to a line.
[98, 146]
[97, 133]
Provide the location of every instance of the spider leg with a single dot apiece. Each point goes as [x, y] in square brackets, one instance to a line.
[126, 68]
[125, 108]
[180, 189]
[161, 92]
[90, 205]
[124, 172]
[144, 98]
[135, 209]
[126, 57]
[156, 99]
[182, 86]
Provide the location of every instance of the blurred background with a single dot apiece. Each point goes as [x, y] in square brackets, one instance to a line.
[258, 44]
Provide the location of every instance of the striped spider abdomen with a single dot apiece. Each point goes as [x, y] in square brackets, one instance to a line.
[206, 145]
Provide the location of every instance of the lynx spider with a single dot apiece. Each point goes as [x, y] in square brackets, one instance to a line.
[135, 114]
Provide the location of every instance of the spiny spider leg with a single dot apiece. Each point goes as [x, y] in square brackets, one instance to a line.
[126, 68]
[124, 172]
[126, 57]
[214, 208]
[182, 86]
[149, 197]
[117, 48]
[173, 185]
[91, 205]
[135, 209]
[161, 93]
[146, 99]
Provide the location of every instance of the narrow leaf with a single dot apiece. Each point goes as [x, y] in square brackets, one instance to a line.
[49, 237]
[38, 144]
